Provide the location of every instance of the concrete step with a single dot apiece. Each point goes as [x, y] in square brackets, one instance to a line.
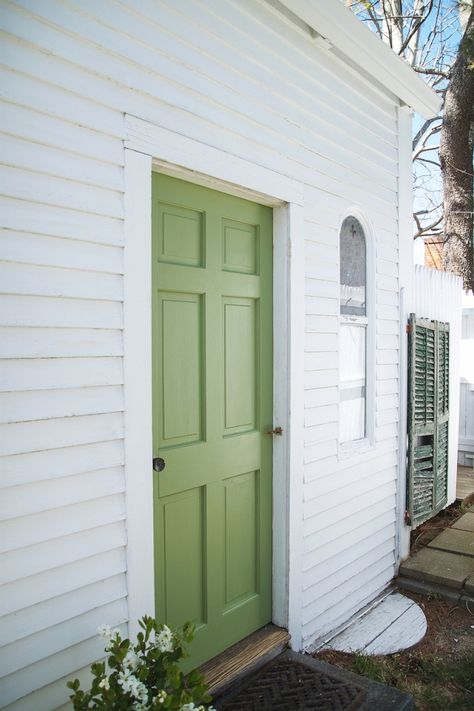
[446, 565]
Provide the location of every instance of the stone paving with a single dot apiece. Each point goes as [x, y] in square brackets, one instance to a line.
[446, 565]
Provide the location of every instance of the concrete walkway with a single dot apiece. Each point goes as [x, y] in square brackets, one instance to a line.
[446, 565]
[464, 482]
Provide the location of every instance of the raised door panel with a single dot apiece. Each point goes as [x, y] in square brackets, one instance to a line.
[241, 539]
[180, 364]
[240, 365]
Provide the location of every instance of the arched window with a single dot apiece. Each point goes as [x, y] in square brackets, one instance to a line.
[353, 332]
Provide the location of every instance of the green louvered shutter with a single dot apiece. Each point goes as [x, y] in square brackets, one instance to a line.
[442, 415]
[428, 410]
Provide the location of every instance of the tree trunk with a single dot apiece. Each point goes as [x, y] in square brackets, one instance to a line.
[456, 154]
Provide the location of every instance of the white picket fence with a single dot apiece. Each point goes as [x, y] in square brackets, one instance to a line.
[466, 412]
[438, 296]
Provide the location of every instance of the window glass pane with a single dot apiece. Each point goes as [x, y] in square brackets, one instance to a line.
[352, 382]
[353, 268]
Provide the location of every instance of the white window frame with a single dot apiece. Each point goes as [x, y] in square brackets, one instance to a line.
[352, 448]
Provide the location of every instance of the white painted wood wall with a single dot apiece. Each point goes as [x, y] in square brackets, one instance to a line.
[235, 75]
[437, 295]
[466, 410]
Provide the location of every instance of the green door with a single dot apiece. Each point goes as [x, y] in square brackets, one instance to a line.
[212, 406]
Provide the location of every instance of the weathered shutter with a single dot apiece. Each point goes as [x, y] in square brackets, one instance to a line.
[428, 410]
[442, 415]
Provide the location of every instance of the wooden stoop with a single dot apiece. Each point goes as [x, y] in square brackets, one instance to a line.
[246, 656]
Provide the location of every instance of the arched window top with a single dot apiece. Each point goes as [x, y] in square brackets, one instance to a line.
[353, 272]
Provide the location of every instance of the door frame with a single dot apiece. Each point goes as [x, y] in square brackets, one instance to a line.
[150, 147]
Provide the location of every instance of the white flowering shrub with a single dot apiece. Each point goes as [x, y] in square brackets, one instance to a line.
[145, 675]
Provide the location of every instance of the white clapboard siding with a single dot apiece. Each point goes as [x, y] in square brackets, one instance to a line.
[377, 546]
[41, 675]
[56, 523]
[26, 123]
[60, 222]
[237, 76]
[317, 521]
[70, 577]
[22, 500]
[370, 569]
[39, 187]
[46, 311]
[27, 248]
[22, 90]
[336, 534]
[130, 73]
[23, 342]
[20, 342]
[321, 378]
[326, 477]
[34, 559]
[320, 507]
[55, 463]
[28, 156]
[380, 522]
[27, 651]
[77, 602]
[32, 405]
[19, 437]
[51, 373]
[176, 49]
[52, 695]
[26, 279]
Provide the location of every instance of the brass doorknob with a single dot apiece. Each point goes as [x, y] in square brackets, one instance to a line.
[276, 431]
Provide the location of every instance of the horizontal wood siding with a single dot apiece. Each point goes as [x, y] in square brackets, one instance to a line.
[235, 75]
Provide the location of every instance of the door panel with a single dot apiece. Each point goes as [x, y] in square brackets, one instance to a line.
[181, 357]
[240, 365]
[184, 543]
[212, 403]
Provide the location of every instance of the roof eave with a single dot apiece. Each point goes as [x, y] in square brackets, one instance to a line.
[337, 24]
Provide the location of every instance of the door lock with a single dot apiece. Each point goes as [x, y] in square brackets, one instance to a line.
[158, 464]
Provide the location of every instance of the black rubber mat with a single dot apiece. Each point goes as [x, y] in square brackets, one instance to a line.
[296, 682]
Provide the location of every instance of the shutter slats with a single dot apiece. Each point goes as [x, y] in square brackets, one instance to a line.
[427, 418]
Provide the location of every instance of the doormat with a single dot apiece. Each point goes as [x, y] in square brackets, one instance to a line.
[297, 682]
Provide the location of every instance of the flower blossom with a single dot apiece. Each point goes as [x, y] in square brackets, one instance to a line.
[131, 660]
[109, 635]
[131, 685]
[104, 684]
[164, 640]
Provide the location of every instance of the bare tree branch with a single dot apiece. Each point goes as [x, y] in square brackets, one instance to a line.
[432, 71]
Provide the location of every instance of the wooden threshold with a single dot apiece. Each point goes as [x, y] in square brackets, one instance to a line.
[247, 655]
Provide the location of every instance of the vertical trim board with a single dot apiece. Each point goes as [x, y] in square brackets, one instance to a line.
[138, 387]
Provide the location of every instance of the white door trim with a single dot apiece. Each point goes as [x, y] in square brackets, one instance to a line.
[148, 146]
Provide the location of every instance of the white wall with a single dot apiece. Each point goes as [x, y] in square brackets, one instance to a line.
[437, 296]
[466, 411]
[235, 75]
